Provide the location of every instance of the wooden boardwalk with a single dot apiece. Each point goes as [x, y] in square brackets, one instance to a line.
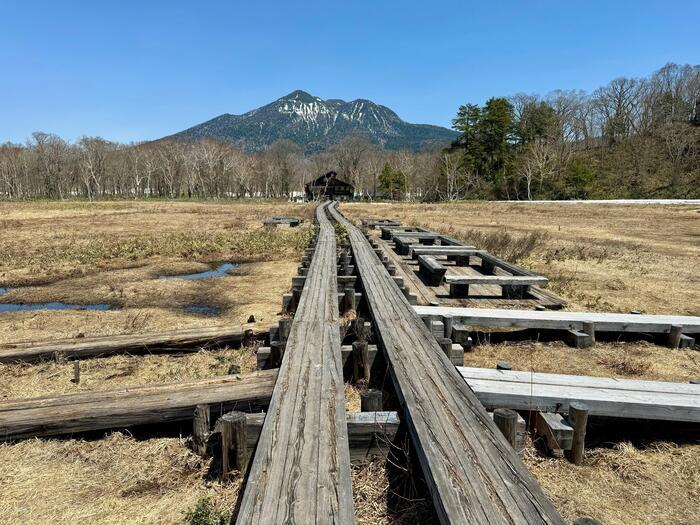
[473, 474]
[407, 267]
[616, 398]
[604, 322]
[301, 469]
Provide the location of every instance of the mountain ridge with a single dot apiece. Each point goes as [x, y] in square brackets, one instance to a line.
[316, 124]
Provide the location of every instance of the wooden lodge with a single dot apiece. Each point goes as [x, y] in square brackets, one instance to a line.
[329, 186]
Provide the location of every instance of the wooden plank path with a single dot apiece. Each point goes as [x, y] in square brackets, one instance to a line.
[473, 474]
[561, 320]
[618, 398]
[124, 407]
[301, 469]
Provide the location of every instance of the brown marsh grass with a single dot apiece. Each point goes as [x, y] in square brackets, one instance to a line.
[113, 253]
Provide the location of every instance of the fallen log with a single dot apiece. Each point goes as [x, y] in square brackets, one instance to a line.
[131, 406]
[174, 341]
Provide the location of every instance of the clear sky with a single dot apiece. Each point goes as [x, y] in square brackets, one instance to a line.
[129, 70]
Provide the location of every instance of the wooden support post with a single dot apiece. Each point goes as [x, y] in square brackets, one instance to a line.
[398, 281]
[588, 327]
[263, 356]
[285, 327]
[506, 420]
[76, 372]
[350, 303]
[371, 400]
[578, 419]
[461, 260]
[437, 328]
[360, 360]
[287, 303]
[448, 321]
[555, 431]
[578, 339]
[200, 429]
[277, 352]
[459, 290]
[674, 336]
[234, 443]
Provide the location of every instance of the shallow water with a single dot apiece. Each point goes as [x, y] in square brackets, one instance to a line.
[202, 309]
[3, 291]
[219, 272]
[19, 307]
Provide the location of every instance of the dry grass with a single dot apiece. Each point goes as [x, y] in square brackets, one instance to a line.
[115, 480]
[113, 253]
[600, 257]
[377, 503]
[625, 485]
[50, 378]
[638, 360]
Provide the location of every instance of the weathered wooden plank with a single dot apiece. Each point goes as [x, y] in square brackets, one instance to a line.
[433, 270]
[617, 398]
[174, 341]
[500, 280]
[565, 380]
[559, 320]
[473, 474]
[370, 434]
[556, 432]
[464, 251]
[125, 407]
[301, 469]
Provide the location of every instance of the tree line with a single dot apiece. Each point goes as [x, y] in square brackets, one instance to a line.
[630, 138]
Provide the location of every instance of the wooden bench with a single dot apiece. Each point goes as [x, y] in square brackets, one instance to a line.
[512, 286]
[431, 269]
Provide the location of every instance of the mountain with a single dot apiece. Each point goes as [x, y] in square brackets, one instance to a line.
[316, 124]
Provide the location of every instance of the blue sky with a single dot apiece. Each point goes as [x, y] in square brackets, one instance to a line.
[140, 70]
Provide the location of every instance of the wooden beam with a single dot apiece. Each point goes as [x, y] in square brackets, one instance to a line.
[604, 322]
[616, 398]
[174, 341]
[464, 251]
[301, 468]
[473, 474]
[125, 407]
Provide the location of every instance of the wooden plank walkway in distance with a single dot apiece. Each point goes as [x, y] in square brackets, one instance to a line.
[473, 474]
[301, 469]
[561, 320]
[618, 398]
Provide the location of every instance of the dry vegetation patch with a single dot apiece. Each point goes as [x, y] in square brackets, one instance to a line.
[635, 360]
[114, 480]
[113, 253]
[51, 378]
[625, 485]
